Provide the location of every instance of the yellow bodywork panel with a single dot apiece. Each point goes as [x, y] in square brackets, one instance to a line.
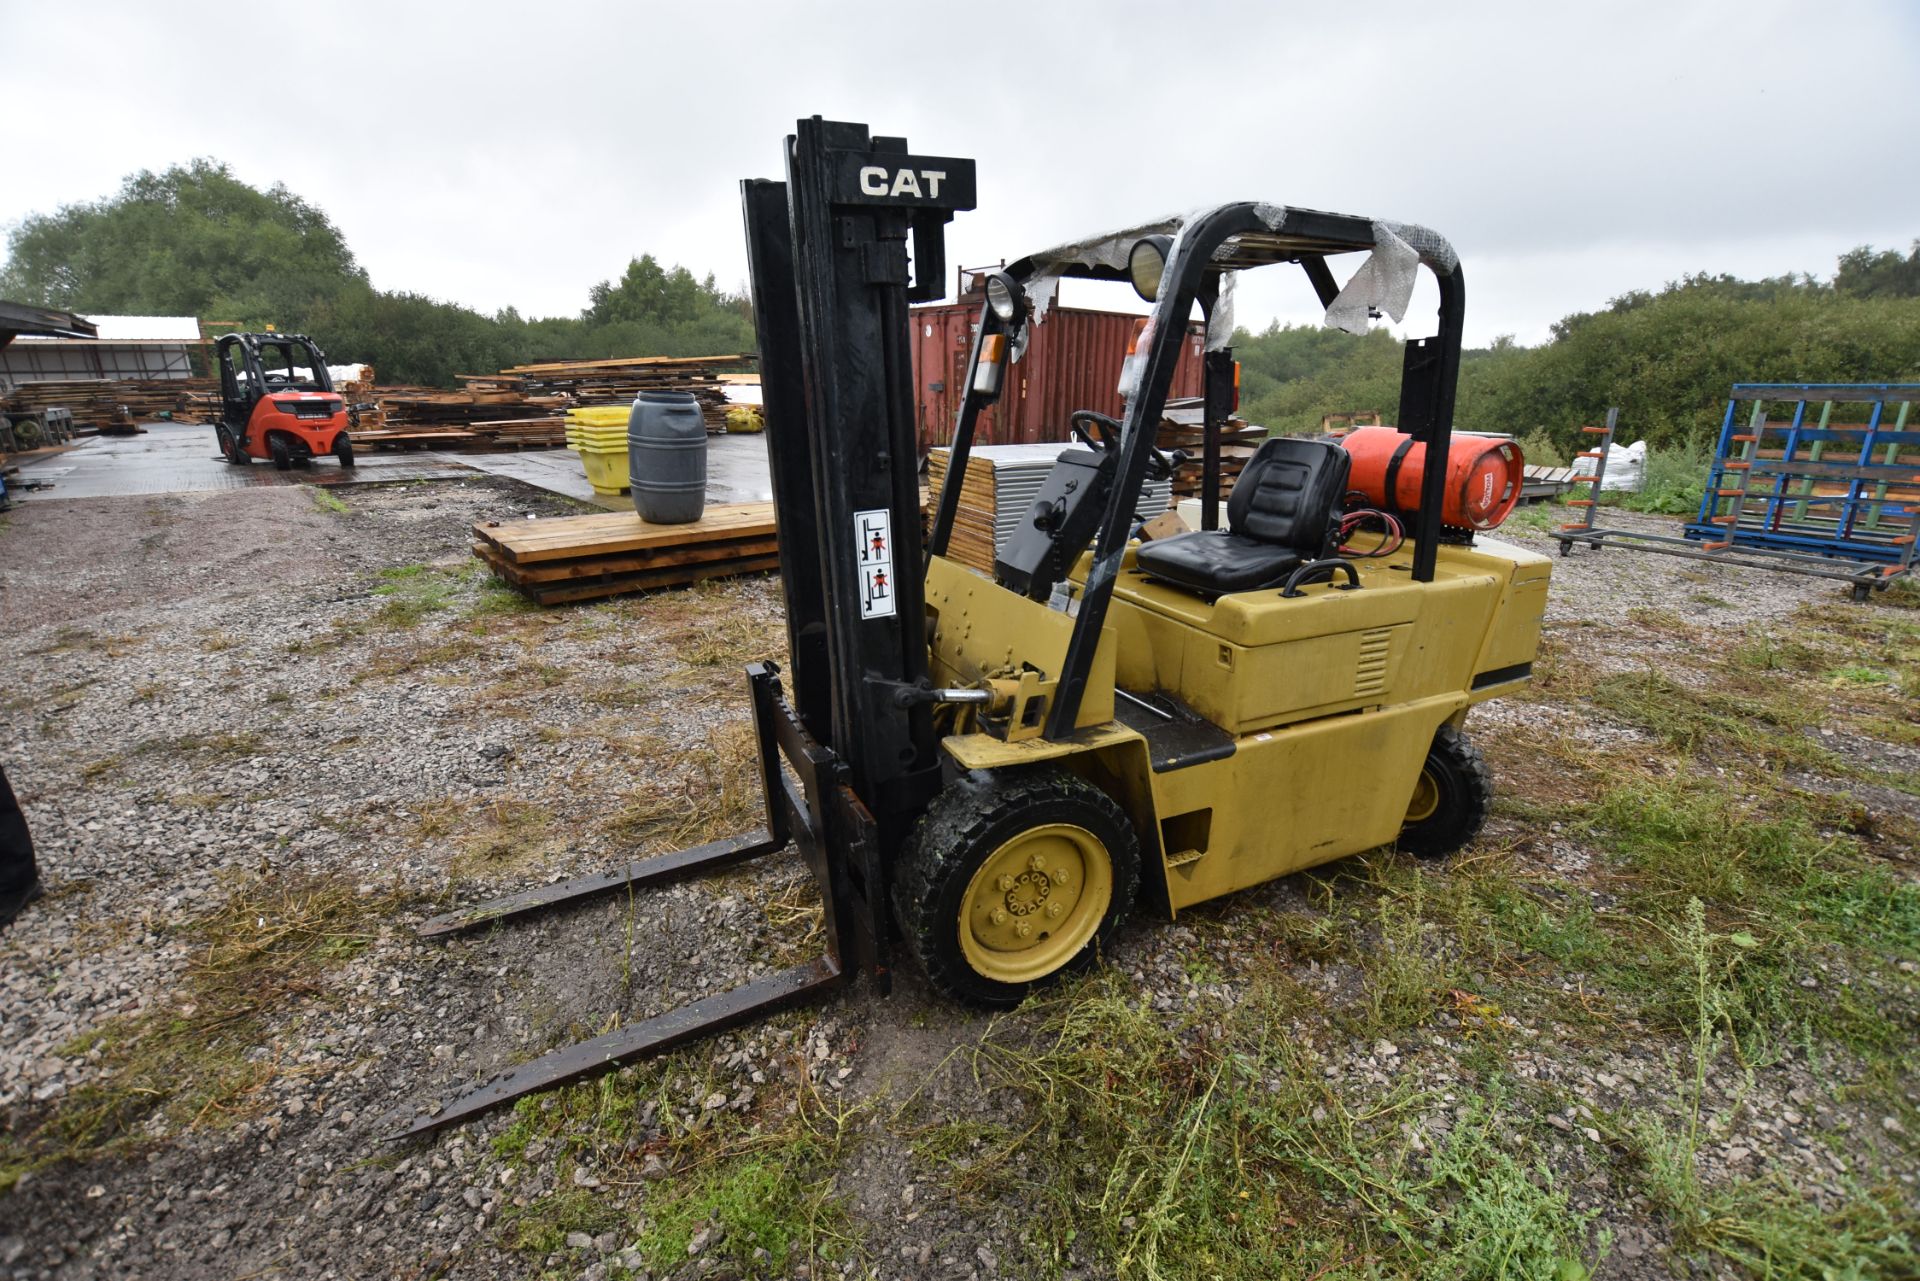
[1257, 660]
[980, 630]
[1328, 701]
[1292, 798]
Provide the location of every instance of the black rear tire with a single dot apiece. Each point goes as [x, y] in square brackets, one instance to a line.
[343, 450]
[1452, 799]
[1019, 819]
[282, 456]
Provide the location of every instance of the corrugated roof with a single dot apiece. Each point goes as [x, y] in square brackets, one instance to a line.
[138, 329]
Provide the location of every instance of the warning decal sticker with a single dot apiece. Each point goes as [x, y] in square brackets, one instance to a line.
[873, 534]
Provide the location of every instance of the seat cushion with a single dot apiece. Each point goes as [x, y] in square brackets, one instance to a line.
[1289, 492]
[1218, 562]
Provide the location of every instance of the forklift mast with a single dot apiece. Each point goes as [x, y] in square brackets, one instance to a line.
[832, 279]
[848, 759]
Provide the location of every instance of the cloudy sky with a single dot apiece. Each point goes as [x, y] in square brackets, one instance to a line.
[498, 154]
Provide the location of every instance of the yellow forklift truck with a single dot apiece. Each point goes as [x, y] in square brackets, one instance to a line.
[989, 773]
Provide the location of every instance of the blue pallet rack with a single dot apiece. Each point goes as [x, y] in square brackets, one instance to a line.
[1823, 491]
[1787, 476]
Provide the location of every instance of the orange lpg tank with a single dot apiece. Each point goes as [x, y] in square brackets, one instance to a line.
[1484, 474]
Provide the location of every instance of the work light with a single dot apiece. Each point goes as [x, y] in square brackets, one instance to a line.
[1147, 263]
[1005, 296]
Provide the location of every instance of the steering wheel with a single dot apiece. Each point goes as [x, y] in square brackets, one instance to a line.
[1104, 433]
[1100, 432]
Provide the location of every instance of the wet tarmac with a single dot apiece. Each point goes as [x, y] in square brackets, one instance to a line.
[174, 458]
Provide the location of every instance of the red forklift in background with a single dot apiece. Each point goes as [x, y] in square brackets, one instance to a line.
[277, 402]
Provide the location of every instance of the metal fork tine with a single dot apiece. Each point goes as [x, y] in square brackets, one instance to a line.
[651, 871]
[637, 1040]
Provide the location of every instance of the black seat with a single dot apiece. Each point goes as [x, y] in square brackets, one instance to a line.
[1279, 516]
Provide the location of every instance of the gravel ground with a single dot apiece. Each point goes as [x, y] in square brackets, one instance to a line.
[238, 706]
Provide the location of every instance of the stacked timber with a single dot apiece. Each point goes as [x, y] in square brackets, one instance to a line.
[1182, 427]
[997, 494]
[412, 416]
[574, 558]
[115, 404]
[617, 382]
[525, 405]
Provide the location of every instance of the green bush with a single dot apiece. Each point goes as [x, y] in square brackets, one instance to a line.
[1676, 480]
[1539, 450]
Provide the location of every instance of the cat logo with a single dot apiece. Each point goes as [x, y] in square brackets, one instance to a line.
[901, 180]
[875, 181]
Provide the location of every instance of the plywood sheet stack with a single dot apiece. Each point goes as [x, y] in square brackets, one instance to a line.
[998, 492]
[1182, 427]
[574, 558]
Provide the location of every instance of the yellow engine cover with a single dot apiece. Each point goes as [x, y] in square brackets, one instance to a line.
[1328, 702]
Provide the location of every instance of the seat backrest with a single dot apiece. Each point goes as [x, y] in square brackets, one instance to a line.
[1288, 493]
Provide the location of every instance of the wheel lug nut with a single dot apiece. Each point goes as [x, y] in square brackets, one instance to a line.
[1060, 876]
[1023, 929]
[999, 916]
[1054, 909]
[1037, 863]
[1006, 883]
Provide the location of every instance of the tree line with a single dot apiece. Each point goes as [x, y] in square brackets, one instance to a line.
[195, 240]
[1665, 358]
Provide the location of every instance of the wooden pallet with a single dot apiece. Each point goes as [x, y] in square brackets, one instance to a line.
[574, 558]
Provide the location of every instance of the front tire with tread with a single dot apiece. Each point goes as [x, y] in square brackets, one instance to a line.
[978, 818]
[1457, 806]
[282, 456]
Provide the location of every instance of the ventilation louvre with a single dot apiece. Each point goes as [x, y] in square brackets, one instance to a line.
[1370, 673]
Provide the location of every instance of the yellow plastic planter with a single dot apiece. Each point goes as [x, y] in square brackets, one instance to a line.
[606, 470]
[598, 416]
[596, 438]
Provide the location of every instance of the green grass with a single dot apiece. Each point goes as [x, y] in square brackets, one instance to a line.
[326, 502]
[1546, 516]
[1217, 1147]
[541, 1227]
[1803, 903]
[774, 1205]
[1766, 1227]
[758, 1183]
[414, 592]
[1717, 716]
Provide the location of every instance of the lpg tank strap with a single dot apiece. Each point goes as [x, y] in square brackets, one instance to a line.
[1390, 500]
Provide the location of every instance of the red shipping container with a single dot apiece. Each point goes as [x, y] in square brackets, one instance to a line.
[1072, 362]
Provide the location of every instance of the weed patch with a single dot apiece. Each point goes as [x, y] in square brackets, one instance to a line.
[399, 660]
[1805, 908]
[412, 592]
[506, 834]
[196, 1063]
[1221, 1149]
[756, 1182]
[1764, 1226]
[692, 796]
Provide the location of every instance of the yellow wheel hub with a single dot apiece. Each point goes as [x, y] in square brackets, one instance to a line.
[1426, 798]
[1035, 902]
